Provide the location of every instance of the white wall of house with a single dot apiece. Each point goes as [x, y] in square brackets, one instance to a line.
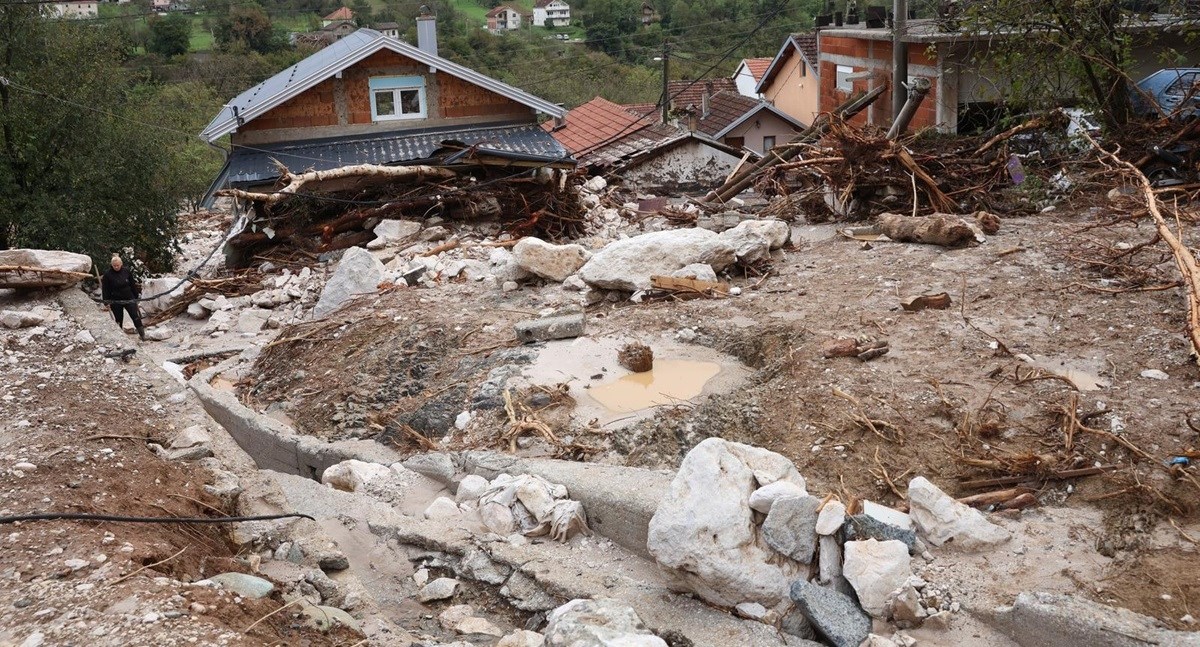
[690, 163]
[554, 14]
[745, 82]
[75, 10]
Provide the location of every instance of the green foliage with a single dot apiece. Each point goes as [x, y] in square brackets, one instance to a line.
[187, 107]
[76, 173]
[169, 35]
[248, 27]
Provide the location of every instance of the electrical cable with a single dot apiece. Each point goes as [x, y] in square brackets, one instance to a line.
[81, 516]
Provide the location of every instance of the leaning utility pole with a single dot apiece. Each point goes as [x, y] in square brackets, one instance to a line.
[666, 94]
[899, 57]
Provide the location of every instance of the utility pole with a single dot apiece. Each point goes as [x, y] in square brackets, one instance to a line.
[666, 95]
[899, 57]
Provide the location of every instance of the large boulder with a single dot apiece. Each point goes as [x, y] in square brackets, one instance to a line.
[170, 287]
[628, 264]
[20, 318]
[549, 261]
[41, 259]
[359, 272]
[876, 569]
[601, 622]
[704, 532]
[753, 240]
[942, 520]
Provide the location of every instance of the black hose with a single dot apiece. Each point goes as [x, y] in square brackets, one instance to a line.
[53, 516]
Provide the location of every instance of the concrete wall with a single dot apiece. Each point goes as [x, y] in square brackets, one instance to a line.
[688, 164]
[795, 89]
[342, 106]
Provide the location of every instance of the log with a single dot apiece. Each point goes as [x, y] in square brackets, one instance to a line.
[939, 229]
[1035, 478]
[296, 181]
[994, 498]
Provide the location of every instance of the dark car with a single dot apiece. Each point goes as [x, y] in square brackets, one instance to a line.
[1172, 92]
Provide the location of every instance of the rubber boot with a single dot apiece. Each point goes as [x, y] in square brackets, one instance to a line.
[141, 331]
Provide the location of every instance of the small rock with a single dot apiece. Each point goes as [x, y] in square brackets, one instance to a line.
[833, 615]
[906, 608]
[442, 508]
[197, 311]
[20, 319]
[421, 576]
[247, 586]
[453, 615]
[35, 639]
[462, 420]
[563, 326]
[522, 638]
[750, 610]
[861, 526]
[549, 261]
[1154, 374]
[76, 564]
[189, 453]
[440, 589]
[470, 488]
[764, 497]
[25, 466]
[831, 518]
[190, 437]
[333, 561]
[887, 515]
[876, 569]
[601, 622]
[478, 626]
[84, 337]
[790, 527]
[943, 520]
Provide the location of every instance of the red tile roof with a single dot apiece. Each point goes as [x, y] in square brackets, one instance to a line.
[595, 123]
[643, 109]
[807, 44]
[758, 66]
[724, 108]
[343, 13]
[690, 93]
[499, 10]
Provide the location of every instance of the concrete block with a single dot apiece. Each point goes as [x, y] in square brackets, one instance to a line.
[547, 328]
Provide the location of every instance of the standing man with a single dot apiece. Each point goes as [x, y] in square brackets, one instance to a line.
[120, 291]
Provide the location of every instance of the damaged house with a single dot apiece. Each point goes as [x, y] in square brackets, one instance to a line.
[741, 122]
[372, 99]
[647, 155]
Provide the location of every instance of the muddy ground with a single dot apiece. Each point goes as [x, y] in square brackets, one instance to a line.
[1038, 366]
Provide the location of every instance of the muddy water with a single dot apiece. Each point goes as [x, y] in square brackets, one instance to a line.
[670, 382]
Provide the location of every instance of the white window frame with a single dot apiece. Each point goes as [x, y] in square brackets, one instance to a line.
[766, 149]
[844, 82]
[397, 84]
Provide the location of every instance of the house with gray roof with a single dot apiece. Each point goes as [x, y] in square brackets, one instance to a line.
[370, 98]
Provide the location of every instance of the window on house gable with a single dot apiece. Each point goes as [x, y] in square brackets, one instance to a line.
[803, 69]
[397, 97]
[843, 78]
[768, 143]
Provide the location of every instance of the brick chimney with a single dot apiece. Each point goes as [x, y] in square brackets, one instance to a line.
[427, 31]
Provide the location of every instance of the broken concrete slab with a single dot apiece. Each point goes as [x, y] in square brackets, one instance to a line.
[1054, 620]
[547, 260]
[558, 326]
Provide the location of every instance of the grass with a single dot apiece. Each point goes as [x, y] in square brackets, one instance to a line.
[202, 39]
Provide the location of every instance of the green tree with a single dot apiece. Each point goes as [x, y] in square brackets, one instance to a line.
[187, 107]
[170, 35]
[75, 172]
[247, 27]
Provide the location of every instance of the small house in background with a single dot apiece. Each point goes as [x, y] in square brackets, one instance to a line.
[503, 18]
[633, 146]
[343, 14]
[372, 99]
[741, 122]
[792, 80]
[339, 29]
[160, 6]
[76, 9]
[551, 13]
[389, 29]
[649, 15]
[748, 73]
[686, 96]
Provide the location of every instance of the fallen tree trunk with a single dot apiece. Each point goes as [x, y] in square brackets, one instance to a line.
[1185, 261]
[296, 181]
[939, 229]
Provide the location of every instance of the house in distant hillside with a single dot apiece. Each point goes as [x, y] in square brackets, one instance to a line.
[343, 14]
[649, 14]
[389, 29]
[792, 81]
[372, 99]
[741, 122]
[551, 13]
[503, 18]
[160, 6]
[748, 73]
[339, 29]
[632, 145]
[75, 9]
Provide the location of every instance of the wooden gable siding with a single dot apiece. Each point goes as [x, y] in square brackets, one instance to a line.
[447, 97]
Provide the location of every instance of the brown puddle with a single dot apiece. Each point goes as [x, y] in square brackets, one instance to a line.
[672, 381]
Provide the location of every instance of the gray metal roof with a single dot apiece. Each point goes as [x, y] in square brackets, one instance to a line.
[528, 142]
[337, 57]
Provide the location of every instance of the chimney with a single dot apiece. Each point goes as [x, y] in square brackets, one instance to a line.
[427, 32]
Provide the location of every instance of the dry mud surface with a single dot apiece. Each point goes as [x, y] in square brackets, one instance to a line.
[1038, 334]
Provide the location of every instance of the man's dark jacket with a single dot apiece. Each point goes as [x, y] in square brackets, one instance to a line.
[118, 285]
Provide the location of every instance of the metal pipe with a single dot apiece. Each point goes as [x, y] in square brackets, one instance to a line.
[899, 56]
[916, 94]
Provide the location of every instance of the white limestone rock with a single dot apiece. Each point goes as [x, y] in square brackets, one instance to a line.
[627, 265]
[20, 319]
[753, 240]
[698, 271]
[45, 259]
[549, 261]
[190, 437]
[704, 533]
[353, 475]
[831, 518]
[252, 320]
[876, 569]
[442, 508]
[522, 638]
[600, 622]
[391, 231]
[358, 272]
[764, 497]
[470, 488]
[942, 520]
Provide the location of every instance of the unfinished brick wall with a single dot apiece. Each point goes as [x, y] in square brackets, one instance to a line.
[876, 56]
[313, 108]
[457, 98]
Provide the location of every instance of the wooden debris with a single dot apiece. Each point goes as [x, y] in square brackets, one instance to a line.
[864, 348]
[636, 357]
[926, 301]
[996, 497]
[989, 223]
[296, 181]
[1035, 478]
[939, 229]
